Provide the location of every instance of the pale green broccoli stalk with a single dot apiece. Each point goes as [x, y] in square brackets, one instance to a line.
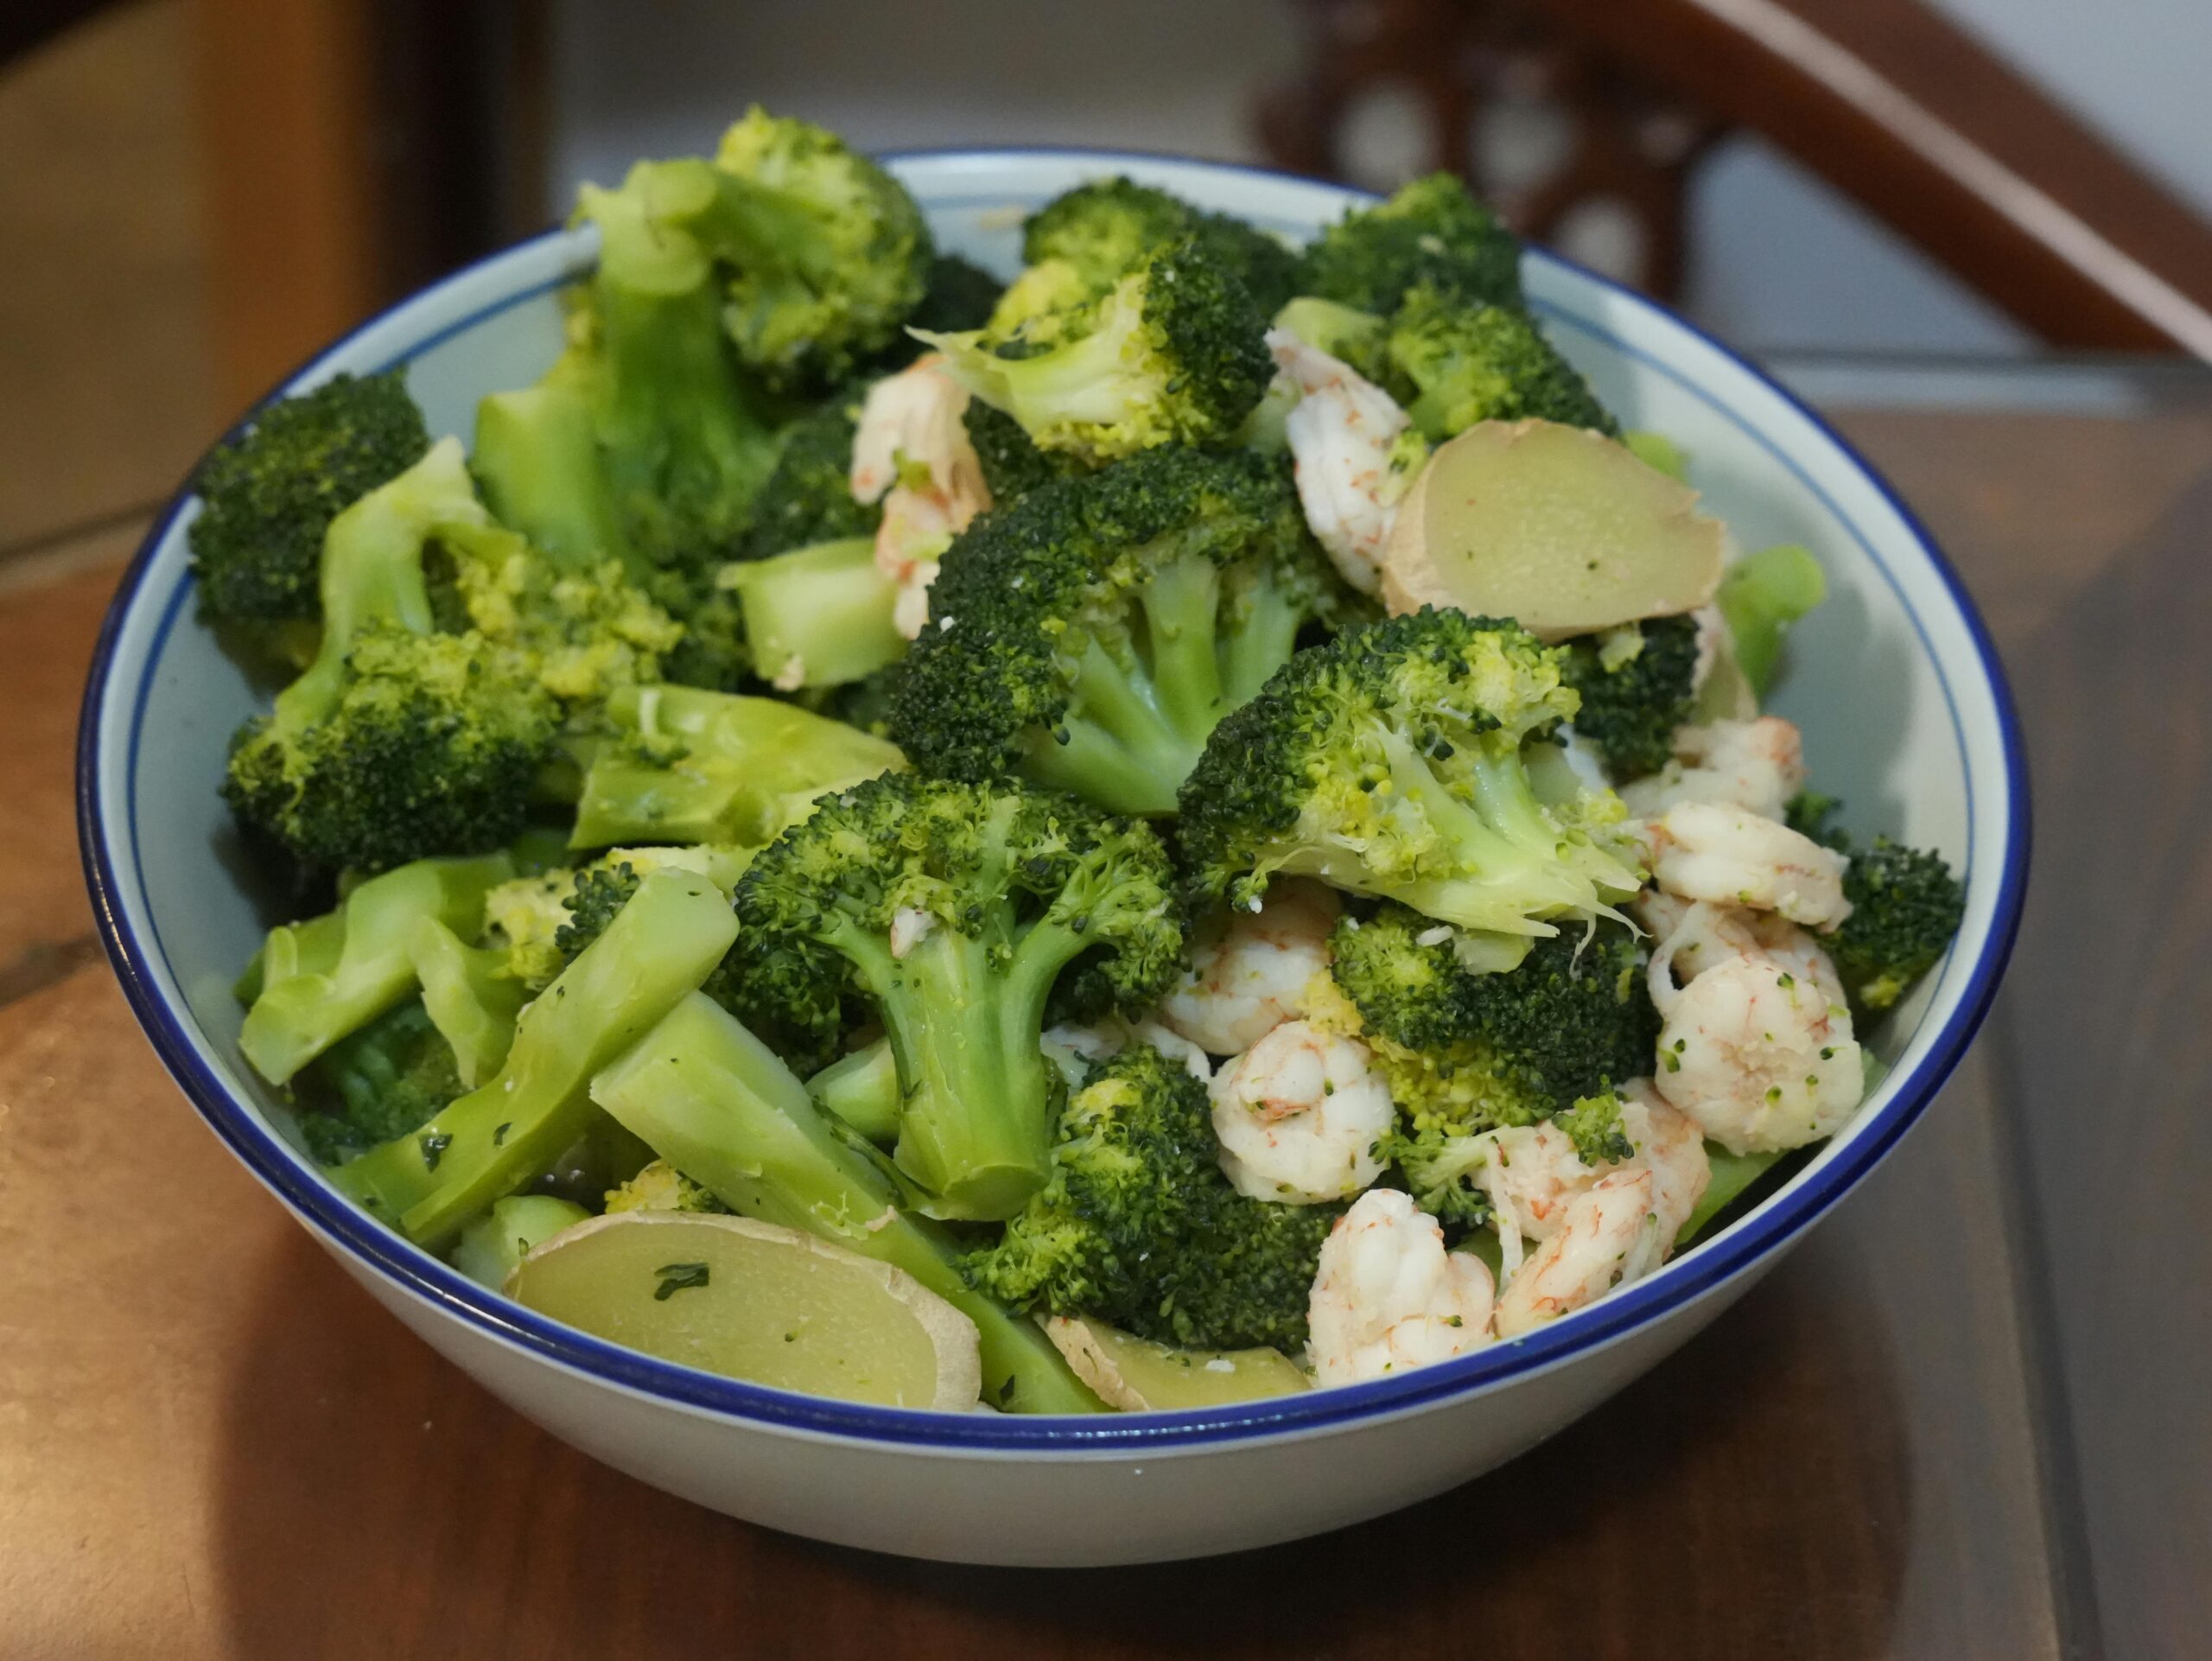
[472, 994]
[319, 980]
[491, 1246]
[433, 1182]
[686, 765]
[861, 1089]
[715, 1102]
[1761, 595]
[818, 616]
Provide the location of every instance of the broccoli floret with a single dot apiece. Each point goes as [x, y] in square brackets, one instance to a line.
[808, 495]
[492, 1246]
[686, 765]
[433, 1181]
[400, 740]
[960, 295]
[386, 1079]
[1443, 1169]
[1107, 227]
[1469, 362]
[316, 981]
[1091, 635]
[1387, 762]
[1173, 353]
[828, 255]
[1012, 463]
[714, 1101]
[267, 497]
[1467, 1050]
[647, 441]
[661, 1186]
[1905, 907]
[1138, 1226]
[1636, 683]
[953, 909]
[1430, 233]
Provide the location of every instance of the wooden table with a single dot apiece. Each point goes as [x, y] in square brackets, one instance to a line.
[1966, 1419]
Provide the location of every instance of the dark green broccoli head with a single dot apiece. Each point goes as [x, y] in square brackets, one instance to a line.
[827, 254]
[390, 1078]
[1173, 353]
[1107, 227]
[1470, 362]
[1137, 1226]
[1467, 1050]
[1387, 762]
[808, 496]
[429, 745]
[1905, 907]
[1013, 465]
[268, 496]
[953, 908]
[960, 295]
[1637, 687]
[1091, 635]
[1430, 233]
[1443, 1169]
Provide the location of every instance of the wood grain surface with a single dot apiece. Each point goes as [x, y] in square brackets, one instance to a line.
[1964, 1419]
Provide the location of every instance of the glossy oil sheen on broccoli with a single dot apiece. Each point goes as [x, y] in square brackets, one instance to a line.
[952, 909]
[268, 495]
[1106, 227]
[1468, 362]
[1173, 353]
[1387, 762]
[1430, 231]
[1138, 1226]
[1636, 684]
[1091, 636]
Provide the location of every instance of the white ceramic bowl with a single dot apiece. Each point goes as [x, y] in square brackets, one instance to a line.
[1906, 715]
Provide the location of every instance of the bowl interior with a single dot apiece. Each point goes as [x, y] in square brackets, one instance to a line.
[1892, 680]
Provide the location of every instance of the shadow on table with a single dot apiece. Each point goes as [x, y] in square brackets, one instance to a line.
[371, 1502]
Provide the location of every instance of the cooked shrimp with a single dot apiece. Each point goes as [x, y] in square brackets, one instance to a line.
[1299, 1115]
[1610, 1235]
[1669, 1144]
[1699, 933]
[1343, 432]
[1754, 764]
[910, 450]
[1761, 1058]
[1387, 1296]
[1734, 858]
[1074, 1049]
[1534, 1173]
[1250, 974]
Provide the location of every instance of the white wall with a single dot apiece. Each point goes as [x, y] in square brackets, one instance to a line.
[1779, 261]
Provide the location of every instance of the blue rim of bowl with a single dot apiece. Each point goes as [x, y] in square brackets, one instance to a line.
[1714, 1263]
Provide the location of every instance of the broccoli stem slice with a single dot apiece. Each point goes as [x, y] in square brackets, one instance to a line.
[538, 461]
[662, 945]
[470, 998]
[718, 1105]
[818, 616]
[861, 1089]
[319, 982]
[966, 1016]
[744, 767]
